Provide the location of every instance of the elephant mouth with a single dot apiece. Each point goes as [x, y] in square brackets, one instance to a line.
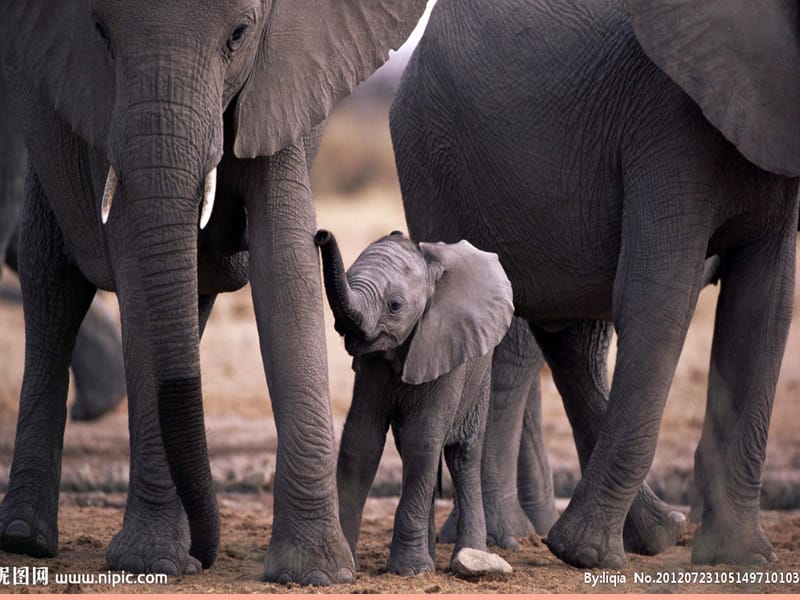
[357, 344]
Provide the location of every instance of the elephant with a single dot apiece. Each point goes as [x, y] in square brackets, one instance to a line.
[421, 321]
[603, 187]
[97, 360]
[169, 150]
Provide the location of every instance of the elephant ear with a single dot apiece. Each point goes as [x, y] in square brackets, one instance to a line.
[467, 316]
[313, 54]
[740, 61]
[55, 47]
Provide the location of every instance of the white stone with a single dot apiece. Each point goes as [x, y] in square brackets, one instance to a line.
[470, 562]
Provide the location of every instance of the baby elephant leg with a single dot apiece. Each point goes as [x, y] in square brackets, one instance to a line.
[470, 557]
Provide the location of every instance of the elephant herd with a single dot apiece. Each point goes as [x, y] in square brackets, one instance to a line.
[582, 166]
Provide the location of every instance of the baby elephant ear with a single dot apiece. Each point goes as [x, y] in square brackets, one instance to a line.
[468, 315]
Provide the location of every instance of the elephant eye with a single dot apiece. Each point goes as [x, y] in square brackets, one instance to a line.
[395, 305]
[236, 37]
[102, 32]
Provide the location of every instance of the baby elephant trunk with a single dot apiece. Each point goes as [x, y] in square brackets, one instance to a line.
[347, 319]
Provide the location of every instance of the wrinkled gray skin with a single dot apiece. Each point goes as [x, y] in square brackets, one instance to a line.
[603, 189]
[164, 97]
[97, 359]
[431, 386]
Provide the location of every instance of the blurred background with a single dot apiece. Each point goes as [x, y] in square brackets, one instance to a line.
[357, 197]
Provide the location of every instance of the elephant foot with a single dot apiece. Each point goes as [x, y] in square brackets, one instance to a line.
[471, 562]
[735, 543]
[542, 517]
[92, 403]
[25, 530]
[506, 524]
[586, 542]
[153, 540]
[408, 563]
[652, 525]
[325, 560]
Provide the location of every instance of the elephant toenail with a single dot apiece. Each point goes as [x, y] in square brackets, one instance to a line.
[192, 567]
[676, 517]
[316, 577]
[510, 543]
[587, 557]
[614, 561]
[345, 576]
[40, 539]
[18, 529]
[284, 578]
[165, 566]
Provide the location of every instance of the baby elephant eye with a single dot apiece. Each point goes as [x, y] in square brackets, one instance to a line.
[395, 306]
[236, 37]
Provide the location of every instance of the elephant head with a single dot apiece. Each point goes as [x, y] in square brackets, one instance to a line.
[146, 84]
[450, 302]
[740, 61]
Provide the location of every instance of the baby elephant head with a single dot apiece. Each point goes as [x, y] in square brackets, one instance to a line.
[453, 301]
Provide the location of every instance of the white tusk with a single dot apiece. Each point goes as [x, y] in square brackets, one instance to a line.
[108, 194]
[209, 192]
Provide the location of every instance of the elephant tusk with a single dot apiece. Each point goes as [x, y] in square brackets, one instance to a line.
[108, 194]
[209, 193]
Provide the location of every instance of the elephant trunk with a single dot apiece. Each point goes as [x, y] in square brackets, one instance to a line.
[340, 296]
[154, 228]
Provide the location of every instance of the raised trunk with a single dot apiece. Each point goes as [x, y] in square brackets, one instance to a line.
[340, 296]
[156, 215]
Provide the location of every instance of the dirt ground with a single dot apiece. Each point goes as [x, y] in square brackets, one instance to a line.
[87, 521]
[242, 443]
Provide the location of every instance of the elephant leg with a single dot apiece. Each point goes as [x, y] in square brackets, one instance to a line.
[410, 548]
[578, 356]
[516, 364]
[752, 321]
[534, 477]
[307, 544]
[363, 440]
[655, 291]
[155, 531]
[56, 298]
[97, 365]
[464, 461]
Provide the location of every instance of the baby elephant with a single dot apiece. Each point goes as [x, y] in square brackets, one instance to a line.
[421, 321]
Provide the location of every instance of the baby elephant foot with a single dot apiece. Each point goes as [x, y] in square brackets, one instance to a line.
[733, 545]
[586, 542]
[407, 563]
[25, 531]
[651, 526]
[326, 560]
[471, 562]
[152, 546]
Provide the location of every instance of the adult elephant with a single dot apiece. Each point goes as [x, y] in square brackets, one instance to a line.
[174, 105]
[604, 163]
[97, 359]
